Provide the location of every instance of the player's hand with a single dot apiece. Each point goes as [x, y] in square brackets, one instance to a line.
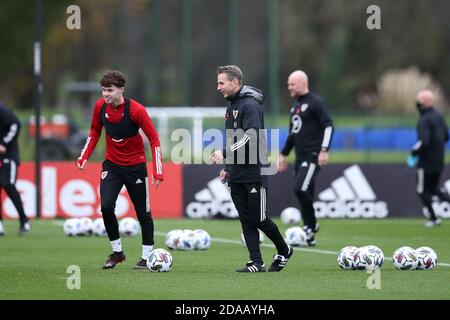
[282, 164]
[156, 182]
[323, 158]
[81, 164]
[412, 161]
[2, 149]
[217, 156]
[223, 176]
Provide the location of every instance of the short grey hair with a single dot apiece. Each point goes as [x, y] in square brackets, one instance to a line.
[232, 72]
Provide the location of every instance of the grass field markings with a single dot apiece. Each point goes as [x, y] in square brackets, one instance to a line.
[223, 240]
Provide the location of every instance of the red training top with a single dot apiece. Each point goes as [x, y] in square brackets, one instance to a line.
[127, 151]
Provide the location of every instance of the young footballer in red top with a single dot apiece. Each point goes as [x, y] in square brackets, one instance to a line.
[125, 162]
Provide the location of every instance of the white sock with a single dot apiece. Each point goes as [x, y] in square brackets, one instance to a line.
[1, 227]
[146, 251]
[116, 245]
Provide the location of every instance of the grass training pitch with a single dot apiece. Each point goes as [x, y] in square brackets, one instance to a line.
[35, 266]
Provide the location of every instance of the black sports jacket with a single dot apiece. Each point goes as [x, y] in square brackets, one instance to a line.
[432, 133]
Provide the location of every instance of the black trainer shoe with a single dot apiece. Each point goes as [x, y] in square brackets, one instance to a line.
[24, 229]
[141, 264]
[310, 235]
[279, 261]
[113, 259]
[252, 267]
[316, 228]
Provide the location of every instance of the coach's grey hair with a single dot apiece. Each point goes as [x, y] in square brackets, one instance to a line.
[232, 72]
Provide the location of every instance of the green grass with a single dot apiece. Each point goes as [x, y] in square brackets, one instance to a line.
[34, 266]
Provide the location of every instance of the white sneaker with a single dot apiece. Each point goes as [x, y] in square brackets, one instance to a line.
[433, 223]
[2, 231]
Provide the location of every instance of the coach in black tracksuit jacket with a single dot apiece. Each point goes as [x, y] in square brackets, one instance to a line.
[244, 159]
[432, 133]
[310, 132]
[9, 159]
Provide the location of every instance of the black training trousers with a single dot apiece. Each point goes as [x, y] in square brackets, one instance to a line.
[113, 178]
[427, 187]
[304, 183]
[250, 201]
[8, 177]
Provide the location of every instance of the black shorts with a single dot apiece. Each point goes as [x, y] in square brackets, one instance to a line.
[8, 172]
[114, 177]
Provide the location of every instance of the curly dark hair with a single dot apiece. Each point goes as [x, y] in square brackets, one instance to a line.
[113, 78]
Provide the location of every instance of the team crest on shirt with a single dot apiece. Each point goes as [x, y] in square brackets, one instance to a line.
[304, 107]
[106, 115]
[104, 174]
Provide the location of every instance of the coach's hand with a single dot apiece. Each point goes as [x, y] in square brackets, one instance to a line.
[282, 164]
[2, 149]
[323, 158]
[223, 176]
[156, 182]
[81, 164]
[217, 156]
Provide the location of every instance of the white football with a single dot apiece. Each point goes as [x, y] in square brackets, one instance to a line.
[173, 238]
[345, 257]
[87, 226]
[203, 239]
[99, 228]
[159, 260]
[405, 258]
[187, 240]
[290, 215]
[261, 237]
[72, 227]
[373, 256]
[296, 236]
[129, 227]
[426, 258]
[359, 261]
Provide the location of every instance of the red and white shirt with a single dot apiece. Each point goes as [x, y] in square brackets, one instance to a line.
[127, 151]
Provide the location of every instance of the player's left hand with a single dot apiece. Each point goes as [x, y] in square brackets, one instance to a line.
[156, 182]
[323, 158]
[217, 156]
[2, 149]
[412, 160]
[282, 163]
